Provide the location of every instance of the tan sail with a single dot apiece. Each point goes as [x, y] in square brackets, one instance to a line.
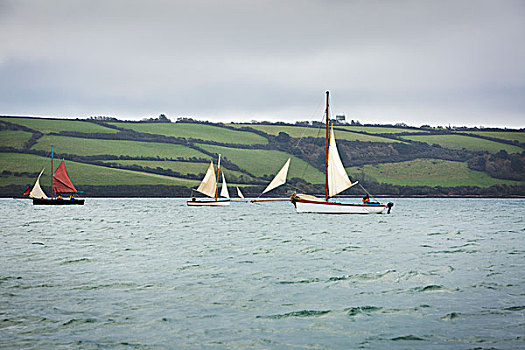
[224, 189]
[209, 183]
[280, 178]
[338, 180]
[37, 191]
[239, 193]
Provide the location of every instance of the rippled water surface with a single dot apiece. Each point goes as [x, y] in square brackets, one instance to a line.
[153, 273]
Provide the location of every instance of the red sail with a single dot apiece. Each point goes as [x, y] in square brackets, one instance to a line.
[61, 181]
[26, 193]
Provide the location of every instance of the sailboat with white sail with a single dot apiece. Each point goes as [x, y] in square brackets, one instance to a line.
[278, 180]
[209, 186]
[239, 193]
[336, 181]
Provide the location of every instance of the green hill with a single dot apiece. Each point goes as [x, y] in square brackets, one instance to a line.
[185, 168]
[90, 147]
[81, 174]
[57, 125]
[267, 162]
[427, 172]
[108, 155]
[14, 138]
[502, 135]
[462, 141]
[196, 131]
[299, 131]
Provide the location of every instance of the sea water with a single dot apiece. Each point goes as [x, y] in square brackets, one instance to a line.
[155, 274]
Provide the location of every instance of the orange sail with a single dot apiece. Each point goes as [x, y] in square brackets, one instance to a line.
[61, 181]
[26, 193]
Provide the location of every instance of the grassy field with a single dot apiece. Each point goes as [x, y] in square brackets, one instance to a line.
[57, 125]
[427, 172]
[267, 162]
[197, 131]
[86, 147]
[301, 131]
[180, 167]
[81, 174]
[380, 130]
[462, 141]
[14, 138]
[504, 135]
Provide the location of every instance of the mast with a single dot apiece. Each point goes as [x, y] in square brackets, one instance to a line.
[327, 113]
[52, 171]
[217, 182]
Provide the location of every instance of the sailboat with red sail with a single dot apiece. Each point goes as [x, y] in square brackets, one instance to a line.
[62, 186]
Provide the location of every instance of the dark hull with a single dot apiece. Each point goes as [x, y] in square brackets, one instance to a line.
[50, 201]
[21, 197]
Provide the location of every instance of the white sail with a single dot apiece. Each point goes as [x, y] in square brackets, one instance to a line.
[37, 191]
[239, 193]
[224, 189]
[209, 183]
[338, 180]
[280, 178]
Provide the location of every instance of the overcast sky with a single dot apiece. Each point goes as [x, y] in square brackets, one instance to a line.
[419, 62]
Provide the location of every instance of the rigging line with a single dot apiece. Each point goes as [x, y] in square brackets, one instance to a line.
[306, 128]
[308, 164]
[317, 136]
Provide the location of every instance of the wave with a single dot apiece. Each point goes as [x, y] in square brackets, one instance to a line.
[407, 337]
[450, 316]
[362, 276]
[75, 321]
[447, 251]
[310, 280]
[115, 285]
[302, 313]
[73, 261]
[430, 288]
[514, 308]
[353, 311]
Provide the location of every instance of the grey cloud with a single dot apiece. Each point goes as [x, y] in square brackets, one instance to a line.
[460, 60]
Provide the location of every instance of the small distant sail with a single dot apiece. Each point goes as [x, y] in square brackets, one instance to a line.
[338, 180]
[209, 183]
[239, 193]
[280, 178]
[61, 181]
[224, 189]
[37, 191]
[27, 192]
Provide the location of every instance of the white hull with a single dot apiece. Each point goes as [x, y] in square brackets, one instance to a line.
[208, 203]
[303, 206]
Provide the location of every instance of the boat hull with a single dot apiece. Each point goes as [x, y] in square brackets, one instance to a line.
[305, 206]
[207, 203]
[53, 201]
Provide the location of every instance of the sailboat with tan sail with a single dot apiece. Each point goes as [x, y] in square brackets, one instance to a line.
[336, 181]
[210, 187]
